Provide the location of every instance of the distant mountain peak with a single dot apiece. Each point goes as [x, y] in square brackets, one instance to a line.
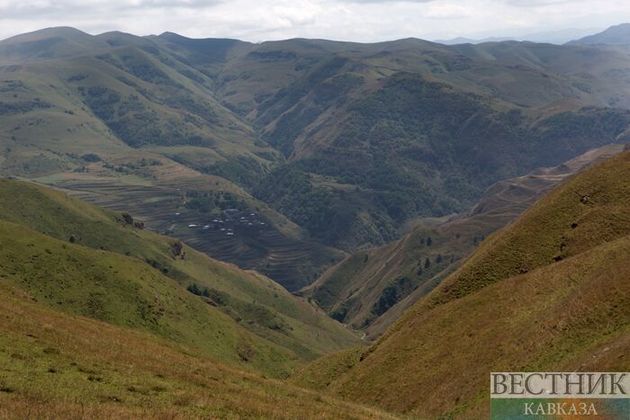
[55, 31]
[48, 43]
[615, 35]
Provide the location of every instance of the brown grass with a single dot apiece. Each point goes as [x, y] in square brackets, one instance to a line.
[54, 365]
[513, 307]
[437, 360]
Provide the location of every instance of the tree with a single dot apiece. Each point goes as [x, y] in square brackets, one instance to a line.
[127, 218]
[194, 289]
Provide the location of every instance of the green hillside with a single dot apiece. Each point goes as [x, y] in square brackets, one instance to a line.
[335, 147]
[548, 292]
[77, 258]
[371, 289]
[124, 113]
[55, 364]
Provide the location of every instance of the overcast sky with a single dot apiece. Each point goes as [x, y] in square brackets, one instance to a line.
[355, 20]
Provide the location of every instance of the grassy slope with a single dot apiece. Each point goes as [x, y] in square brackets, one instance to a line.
[61, 365]
[393, 277]
[259, 304]
[372, 134]
[589, 210]
[127, 292]
[358, 115]
[343, 111]
[511, 306]
[151, 119]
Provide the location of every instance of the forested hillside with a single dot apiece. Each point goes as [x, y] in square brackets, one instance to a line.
[324, 147]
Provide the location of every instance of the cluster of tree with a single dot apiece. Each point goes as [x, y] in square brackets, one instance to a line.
[127, 219]
[243, 170]
[414, 148]
[324, 213]
[392, 294]
[137, 124]
[198, 290]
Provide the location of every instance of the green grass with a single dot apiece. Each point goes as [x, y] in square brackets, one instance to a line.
[55, 364]
[588, 210]
[125, 264]
[127, 292]
[393, 277]
[103, 323]
[491, 315]
[564, 317]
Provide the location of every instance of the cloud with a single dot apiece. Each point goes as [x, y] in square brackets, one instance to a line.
[537, 3]
[387, 1]
[25, 8]
[355, 20]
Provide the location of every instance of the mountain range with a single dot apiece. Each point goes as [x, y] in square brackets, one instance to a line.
[548, 37]
[332, 146]
[306, 228]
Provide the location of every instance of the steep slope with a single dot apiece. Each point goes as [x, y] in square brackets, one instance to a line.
[129, 293]
[381, 133]
[549, 292]
[615, 35]
[105, 266]
[372, 289]
[57, 365]
[337, 145]
[120, 113]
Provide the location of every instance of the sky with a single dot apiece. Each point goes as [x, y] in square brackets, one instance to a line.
[349, 20]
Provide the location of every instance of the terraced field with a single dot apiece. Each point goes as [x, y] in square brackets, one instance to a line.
[291, 261]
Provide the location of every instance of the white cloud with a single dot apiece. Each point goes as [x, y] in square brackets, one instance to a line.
[358, 20]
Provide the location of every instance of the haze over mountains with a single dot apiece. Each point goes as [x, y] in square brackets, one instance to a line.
[552, 37]
[358, 218]
[616, 35]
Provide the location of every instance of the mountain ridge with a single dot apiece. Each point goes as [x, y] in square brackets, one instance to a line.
[615, 35]
[338, 145]
[371, 289]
